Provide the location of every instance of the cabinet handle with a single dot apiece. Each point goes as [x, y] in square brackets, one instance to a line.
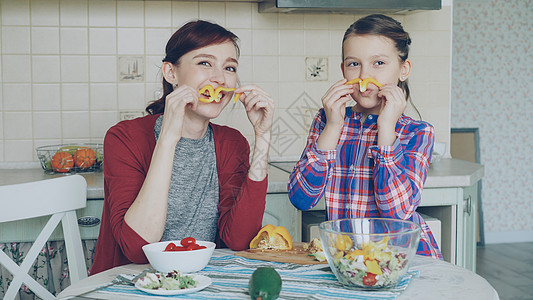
[88, 221]
[468, 205]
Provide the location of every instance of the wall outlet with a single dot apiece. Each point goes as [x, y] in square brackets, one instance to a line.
[128, 115]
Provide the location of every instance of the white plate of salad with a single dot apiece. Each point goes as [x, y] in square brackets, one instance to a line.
[172, 283]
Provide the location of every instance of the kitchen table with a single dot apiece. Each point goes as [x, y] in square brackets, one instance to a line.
[434, 279]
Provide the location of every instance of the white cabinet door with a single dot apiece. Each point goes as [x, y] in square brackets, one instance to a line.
[470, 199]
[280, 211]
[441, 203]
[456, 208]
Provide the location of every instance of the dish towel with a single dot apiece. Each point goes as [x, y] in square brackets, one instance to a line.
[230, 275]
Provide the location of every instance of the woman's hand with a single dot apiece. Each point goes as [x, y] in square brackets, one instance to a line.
[260, 110]
[175, 105]
[334, 102]
[393, 105]
[259, 107]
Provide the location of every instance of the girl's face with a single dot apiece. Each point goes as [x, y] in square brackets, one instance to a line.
[372, 56]
[215, 65]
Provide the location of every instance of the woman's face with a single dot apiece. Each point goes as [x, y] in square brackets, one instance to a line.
[371, 56]
[215, 65]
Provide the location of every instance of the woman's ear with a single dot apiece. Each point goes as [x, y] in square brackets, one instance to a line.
[405, 70]
[168, 73]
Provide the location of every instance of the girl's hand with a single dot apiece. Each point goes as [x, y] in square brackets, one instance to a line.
[259, 107]
[393, 104]
[175, 105]
[334, 102]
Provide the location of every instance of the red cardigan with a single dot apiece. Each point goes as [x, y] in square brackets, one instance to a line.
[128, 148]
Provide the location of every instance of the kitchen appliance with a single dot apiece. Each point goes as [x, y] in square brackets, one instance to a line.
[348, 6]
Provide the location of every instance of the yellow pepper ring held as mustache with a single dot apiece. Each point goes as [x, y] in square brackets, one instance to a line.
[213, 93]
[364, 83]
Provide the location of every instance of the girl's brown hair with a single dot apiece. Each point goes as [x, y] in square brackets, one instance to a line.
[191, 36]
[378, 24]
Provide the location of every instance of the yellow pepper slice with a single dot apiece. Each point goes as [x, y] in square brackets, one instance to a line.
[353, 81]
[373, 267]
[355, 253]
[363, 83]
[343, 242]
[213, 93]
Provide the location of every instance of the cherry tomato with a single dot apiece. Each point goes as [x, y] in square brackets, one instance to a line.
[369, 279]
[170, 247]
[193, 247]
[180, 248]
[202, 247]
[187, 241]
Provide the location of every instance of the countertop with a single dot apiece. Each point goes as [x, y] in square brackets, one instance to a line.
[443, 173]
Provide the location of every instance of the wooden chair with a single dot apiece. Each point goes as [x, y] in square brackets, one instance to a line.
[58, 198]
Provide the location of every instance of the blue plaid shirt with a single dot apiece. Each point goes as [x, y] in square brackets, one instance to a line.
[361, 179]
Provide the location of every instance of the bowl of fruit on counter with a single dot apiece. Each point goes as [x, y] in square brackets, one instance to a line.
[369, 253]
[71, 158]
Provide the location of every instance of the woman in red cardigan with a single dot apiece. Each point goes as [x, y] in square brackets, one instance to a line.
[173, 173]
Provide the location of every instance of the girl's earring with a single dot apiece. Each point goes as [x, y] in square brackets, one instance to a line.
[402, 78]
[174, 86]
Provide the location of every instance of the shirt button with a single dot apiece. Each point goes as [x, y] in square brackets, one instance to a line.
[370, 117]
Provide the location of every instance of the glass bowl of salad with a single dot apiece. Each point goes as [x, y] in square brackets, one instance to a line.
[369, 253]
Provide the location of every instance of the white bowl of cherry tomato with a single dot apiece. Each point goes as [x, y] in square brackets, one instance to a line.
[187, 255]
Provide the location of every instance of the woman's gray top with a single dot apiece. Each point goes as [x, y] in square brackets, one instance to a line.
[193, 193]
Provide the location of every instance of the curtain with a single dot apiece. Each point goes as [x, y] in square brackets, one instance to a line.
[50, 268]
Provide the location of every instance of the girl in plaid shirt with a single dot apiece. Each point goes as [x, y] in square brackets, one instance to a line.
[368, 160]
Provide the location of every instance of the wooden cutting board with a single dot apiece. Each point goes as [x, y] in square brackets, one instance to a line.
[297, 255]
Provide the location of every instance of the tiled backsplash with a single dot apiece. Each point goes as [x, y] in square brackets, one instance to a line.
[70, 67]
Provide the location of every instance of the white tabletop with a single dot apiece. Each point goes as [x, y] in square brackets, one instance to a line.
[436, 280]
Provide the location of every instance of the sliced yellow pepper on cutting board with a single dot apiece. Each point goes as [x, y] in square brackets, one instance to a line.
[272, 237]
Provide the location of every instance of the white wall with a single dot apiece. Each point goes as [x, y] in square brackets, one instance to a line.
[493, 90]
[60, 66]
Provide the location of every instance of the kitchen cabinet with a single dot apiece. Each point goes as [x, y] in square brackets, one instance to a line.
[28, 230]
[280, 211]
[456, 208]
